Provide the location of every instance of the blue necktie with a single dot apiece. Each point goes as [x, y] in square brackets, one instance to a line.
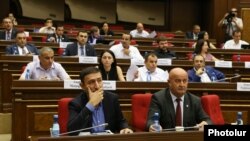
[82, 51]
[148, 76]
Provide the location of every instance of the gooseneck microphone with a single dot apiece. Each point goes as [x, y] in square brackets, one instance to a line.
[83, 129]
[181, 128]
[228, 78]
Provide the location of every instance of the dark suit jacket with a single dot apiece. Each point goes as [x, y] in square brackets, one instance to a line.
[100, 39]
[81, 117]
[108, 33]
[162, 54]
[212, 73]
[190, 35]
[13, 49]
[72, 50]
[63, 39]
[3, 34]
[162, 103]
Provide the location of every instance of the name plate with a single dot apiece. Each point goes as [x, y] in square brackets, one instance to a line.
[223, 64]
[241, 86]
[88, 60]
[64, 44]
[35, 58]
[71, 84]
[109, 85]
[164, 62]
[247, 65]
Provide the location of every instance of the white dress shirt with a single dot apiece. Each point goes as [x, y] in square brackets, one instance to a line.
[135, 33]
[157, 75]
[118, 51]
[230, 44]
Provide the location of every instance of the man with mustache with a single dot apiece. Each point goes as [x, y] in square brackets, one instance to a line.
[176, 106]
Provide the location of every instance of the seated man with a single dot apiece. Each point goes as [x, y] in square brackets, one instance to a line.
[236, 42]
[194, 34]
[9, 31]
[125, 50]
[95, 106]
[162, 51]
[81, 47]
[176, 106]
[58, 36]
[150, 71]
[139, 31]
[94, 36]
[45, 68]
[21, 47]
[202, 73]
[48, 27]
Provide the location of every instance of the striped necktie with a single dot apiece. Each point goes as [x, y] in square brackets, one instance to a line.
[148, 76]
[82, 51]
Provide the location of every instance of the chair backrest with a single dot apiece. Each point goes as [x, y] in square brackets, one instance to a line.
[60, 51]
[63, 113]
[211, 105]
[140, 107]
[241, 58]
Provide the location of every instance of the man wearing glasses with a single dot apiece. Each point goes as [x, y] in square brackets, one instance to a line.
[231, 23]
[81, 47]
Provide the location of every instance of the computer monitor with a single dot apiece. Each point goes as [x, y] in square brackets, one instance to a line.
[245, 46]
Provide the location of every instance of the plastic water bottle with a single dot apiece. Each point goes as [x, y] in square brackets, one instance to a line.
[27, 75]
[156, 124]
[239, 120]
[55, 128]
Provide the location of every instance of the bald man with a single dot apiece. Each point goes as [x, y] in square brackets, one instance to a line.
[139, 31]
[165, 103]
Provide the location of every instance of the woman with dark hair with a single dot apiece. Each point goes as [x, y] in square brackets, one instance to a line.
[105, 30]
[109, 68]
[201, 48]
[205, 36]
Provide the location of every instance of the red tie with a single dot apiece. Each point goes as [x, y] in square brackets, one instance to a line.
[178, 113]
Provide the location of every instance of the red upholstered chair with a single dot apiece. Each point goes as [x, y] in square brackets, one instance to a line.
[63, 113]
[211, 105]
[29, 38]
[241, 58]
[44, 39]
[140, 106]
[60, 51]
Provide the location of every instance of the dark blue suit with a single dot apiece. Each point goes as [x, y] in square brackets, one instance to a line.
[81, 117]
[72, 50]
[13, 49]
[212, 73]
[3, 34]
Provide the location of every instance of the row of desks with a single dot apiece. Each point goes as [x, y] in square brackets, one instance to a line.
[35, 102]
[13, 64]
[181, 52]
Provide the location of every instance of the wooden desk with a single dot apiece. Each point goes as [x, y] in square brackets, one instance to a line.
[35, 102]
[164, 136]
[11, 64]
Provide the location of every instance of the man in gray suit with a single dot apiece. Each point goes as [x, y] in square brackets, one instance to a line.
[164, 102]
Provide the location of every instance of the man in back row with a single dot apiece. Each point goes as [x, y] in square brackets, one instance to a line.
[176, 106]
[9, 31]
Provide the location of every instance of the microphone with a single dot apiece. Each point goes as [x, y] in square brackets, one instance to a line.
[180, 128]
[228, 78]
[83, 129]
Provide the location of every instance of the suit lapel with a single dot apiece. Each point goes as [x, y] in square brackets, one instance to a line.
[170, 106]
[105, 109]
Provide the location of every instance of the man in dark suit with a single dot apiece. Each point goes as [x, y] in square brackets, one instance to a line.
[163, 48]
[94, 106]
[202, 73]
[175, 99]
[81, 47]
[9, 32]
[58, 36]
[21, 47]
[193, 34]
